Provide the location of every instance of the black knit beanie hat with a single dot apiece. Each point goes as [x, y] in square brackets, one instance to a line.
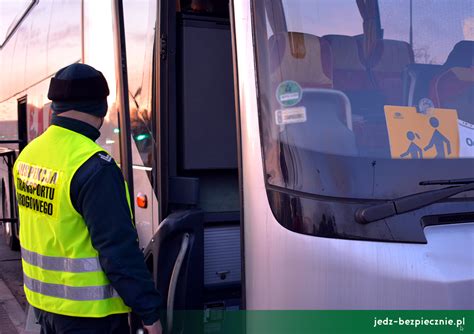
[79, 87]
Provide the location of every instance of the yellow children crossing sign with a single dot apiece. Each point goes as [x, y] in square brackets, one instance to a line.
[415, 135]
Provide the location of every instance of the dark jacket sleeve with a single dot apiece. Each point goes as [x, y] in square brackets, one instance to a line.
[98, 194]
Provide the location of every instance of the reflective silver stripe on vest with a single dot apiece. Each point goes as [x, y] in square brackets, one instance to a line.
[70, 292]
[61, 263]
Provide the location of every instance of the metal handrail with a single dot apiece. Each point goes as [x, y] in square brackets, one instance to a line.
[9, 156]
[8, 220]
[174, 281]
[12, 141]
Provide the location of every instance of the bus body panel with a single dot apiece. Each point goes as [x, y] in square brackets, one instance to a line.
[287, 270]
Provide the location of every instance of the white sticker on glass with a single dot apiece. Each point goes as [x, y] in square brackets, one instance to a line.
[466, 139]
[290, 115]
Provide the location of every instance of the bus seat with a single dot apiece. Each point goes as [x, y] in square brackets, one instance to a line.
[351, 77]
[417, 79]
[387, 66]
[323, 130]
[349, 73]
[421, 79]
[462, 55]
[454, 89]
[300, 57]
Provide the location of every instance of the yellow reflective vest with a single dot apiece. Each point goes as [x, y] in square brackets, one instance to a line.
[61, 269]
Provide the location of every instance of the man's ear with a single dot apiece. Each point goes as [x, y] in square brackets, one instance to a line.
[101, 123]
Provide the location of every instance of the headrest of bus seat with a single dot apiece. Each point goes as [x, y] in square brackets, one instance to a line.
[345, 53]
[390, 55]
[462, 55]
[301, 57]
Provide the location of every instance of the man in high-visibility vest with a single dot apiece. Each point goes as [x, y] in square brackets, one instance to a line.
[83, 269]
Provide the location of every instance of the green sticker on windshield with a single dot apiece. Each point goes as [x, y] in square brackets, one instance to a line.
[289, 93]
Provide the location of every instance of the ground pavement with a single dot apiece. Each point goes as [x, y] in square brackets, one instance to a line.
[13, 305]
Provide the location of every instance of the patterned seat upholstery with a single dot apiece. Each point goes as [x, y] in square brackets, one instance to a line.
[300, 57]
[390, 60]
[453, 88]
[349, 73]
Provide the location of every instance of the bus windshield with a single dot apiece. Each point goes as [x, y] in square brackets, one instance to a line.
[365, 99]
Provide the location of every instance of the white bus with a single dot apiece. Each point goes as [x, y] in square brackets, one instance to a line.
[304, 154]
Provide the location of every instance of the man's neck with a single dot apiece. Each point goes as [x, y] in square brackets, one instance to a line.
[76, 125]
[92, 120]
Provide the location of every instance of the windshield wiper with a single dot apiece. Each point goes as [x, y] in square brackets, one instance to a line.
[412, 202]
[454, 181]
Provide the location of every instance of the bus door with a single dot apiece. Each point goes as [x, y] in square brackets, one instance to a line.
[184, 154]
[12, 139]
[194, 253]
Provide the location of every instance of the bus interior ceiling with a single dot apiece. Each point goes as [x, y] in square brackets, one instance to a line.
[206, 144]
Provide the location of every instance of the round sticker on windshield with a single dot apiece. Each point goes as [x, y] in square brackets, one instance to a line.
[289, 93]
[424, 105]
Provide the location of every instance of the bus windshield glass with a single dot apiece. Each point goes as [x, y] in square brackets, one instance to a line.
[365, 99]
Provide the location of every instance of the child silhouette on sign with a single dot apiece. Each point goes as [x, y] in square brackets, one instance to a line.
[414, 151]
[438, 140]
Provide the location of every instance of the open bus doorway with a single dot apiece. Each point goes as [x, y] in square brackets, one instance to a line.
[197, 178]
[206, 137]
[8, 206]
